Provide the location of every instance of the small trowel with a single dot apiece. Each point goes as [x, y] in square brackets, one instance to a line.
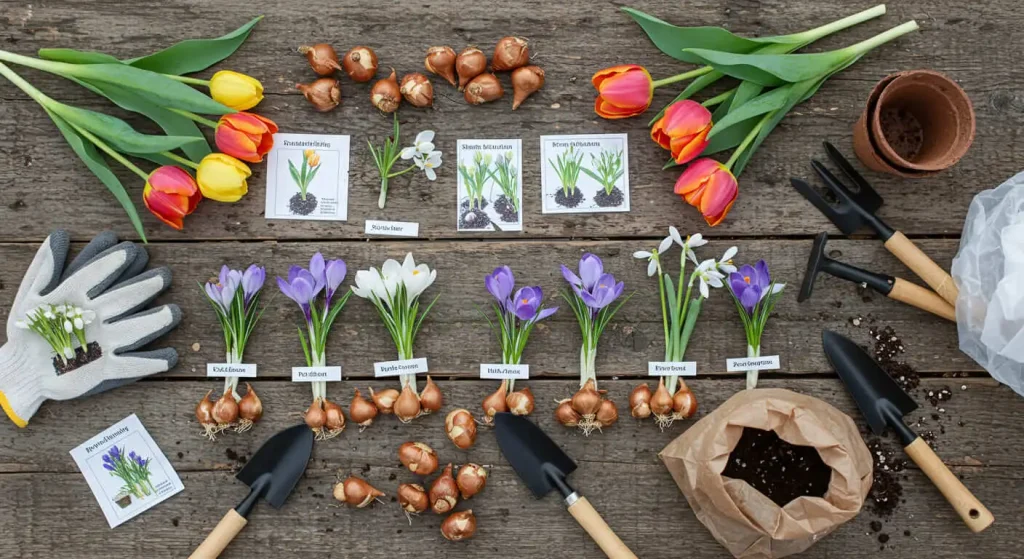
[271, 473]
[543, 466]
[884, 404]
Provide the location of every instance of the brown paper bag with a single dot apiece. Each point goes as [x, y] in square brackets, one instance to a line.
[745, 521]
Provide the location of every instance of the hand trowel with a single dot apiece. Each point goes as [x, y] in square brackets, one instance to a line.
[271, 473]
[544, 466]
[884, 404]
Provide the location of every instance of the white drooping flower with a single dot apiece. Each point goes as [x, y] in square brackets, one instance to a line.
[428, 162]
[653, 263]
[708, 275]
[692, 242]
[422, 145]
[725, 264]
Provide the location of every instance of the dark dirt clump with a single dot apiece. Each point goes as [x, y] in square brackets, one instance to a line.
[886, 491]
[92, 353]
[902, 131]
[888, 349]
[612, 200]
[780, 470]
[298, 206]
[571, 201]
[506, 210]
[480, 205]
[474, 219]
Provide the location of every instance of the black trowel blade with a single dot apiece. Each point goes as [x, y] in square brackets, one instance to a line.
[534, 456]
[284, 456]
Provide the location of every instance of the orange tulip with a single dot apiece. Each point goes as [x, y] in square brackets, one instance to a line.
[710, 187]
[245, 136]
[683, 130]
[171, 194]
[623, 91]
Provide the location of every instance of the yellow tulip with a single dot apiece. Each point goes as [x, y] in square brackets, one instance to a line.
[222, 178]
[238, 91]
[313, 159]
[308, 153]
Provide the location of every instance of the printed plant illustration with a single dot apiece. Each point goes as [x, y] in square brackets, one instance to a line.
[304, 203]
[567, 166]
[133, 471]
[606, 169]
[475, 177]
[61, 326]
[506, 175]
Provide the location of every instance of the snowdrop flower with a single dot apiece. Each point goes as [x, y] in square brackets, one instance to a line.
[692, 242]
[653, 263]
[708, 275]
[428, 162]
[424, 144]
[725, 264]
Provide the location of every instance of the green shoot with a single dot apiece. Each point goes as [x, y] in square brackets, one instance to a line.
[567, 166]
[475, 177]
[607, 169]
[507, 177]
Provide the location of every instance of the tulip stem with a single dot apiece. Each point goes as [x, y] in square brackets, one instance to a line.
[750, 138]
[719, 99]
[194, 116]
[680, 77]
[191, 81]
[180, 159]
[109, 150]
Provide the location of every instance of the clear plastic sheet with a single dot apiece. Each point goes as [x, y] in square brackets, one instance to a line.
[989, 269]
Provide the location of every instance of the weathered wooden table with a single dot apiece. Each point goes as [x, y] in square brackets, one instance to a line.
[48, 509]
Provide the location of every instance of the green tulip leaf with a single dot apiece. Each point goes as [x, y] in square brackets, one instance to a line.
[766, 103]
[772, 69]
[674, 40]
[745, 92]
[730, 137]
[89, 155]
[193, 55]
[119, 133]
[162, 90]
[692, 89]
[72, 56]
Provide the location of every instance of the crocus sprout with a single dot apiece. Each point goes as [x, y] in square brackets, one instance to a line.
[755, 295]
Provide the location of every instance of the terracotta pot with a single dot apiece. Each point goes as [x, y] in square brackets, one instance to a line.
[864, 146]
[922, 121]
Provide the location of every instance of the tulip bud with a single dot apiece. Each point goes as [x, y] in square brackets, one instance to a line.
[245, 136]
[223, 178]
[171, 194]
[238, 91]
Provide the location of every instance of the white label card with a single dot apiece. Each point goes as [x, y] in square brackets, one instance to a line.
[244, 370]
[670, 368]
[490, 185]
[126, 470]
[762, 363]
[403, 367]
[497, 372]
[392, 228]
[307, 177]
[316, 374]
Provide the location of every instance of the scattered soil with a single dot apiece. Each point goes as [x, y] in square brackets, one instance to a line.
[92, 353]
[298, 206]
[573, 200]
[612, 200]
[888, 349]
[506, 210]
[474, 219]
[780, 470]
[886, 491]
[902, 131]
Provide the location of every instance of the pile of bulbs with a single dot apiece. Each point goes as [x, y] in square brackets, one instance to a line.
[441, 498]
[469, 66]
[405, 405]
[588, 410]
[229, 411]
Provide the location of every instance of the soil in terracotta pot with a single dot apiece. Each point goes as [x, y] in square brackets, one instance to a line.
[506, 210]
[780, 470]
[474, 219]
[612, 200]
[92, 353]
[571, 201]
[298, 206]
[903, 132]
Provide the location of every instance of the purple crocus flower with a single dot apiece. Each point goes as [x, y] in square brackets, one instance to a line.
[223, 292]
[114, 453]
[252, 282]
[299, 287]
[526, 305]
[591, 270]
[318, 269]
[605, 291]
[750, 284]
[500, 283]
[334, 274]
[108, 467]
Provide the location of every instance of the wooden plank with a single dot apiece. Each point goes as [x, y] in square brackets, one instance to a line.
[979, 425]
[634, 338]
[57, 516]
[958, 44]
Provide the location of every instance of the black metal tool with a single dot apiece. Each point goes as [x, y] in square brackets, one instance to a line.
[883, 404]
[544, 466]
[855, 208]
[271, 473]
[892, 287]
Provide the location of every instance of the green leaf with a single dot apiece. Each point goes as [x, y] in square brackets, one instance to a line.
[771, 69]
[673, 40]
[773, 100]
[692, 89]
[119, 133]
[295, 173]
[312, 174]
[745, 92]
[731, 137]
[161, 89]
[95, 162]
[691, 320]
[72, 56]
[193, 55]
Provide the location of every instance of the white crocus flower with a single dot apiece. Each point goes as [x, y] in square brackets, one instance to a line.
[428, 162]
[416, 278]
[68, 327]
[423, 144]
[79, 323]
[367, 282]
[391, 277]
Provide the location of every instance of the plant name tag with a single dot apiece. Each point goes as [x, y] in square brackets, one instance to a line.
[392, 228]
[672, 368]
[316, 374]
[244, 370]
[497, 372]
[762, 363]
[402, 367]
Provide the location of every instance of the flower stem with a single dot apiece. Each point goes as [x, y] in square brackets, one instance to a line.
[23, 85]
[812, 35]
[180, 159]
[109, 150]
[680, 77]
[880, 39]
[194, 116]
[383, 191]
[192, 81]
[719, 99]
[750, 138]
[402, 172]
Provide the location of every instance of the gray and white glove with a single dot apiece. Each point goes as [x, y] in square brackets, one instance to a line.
[107, 278]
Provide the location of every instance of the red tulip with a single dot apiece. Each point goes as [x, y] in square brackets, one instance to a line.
[683, 130]
[245, 136]
[710, 187]
[171, 194]
[623, 91]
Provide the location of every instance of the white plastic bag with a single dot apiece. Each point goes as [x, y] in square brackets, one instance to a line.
[989, 269]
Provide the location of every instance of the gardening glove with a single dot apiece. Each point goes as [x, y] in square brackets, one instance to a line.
[106, 278]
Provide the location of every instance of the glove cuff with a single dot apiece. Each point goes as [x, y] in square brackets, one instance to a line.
[21, 393]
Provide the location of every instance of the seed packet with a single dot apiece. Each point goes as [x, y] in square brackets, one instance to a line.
[584, 173]
[490, 183]
[307, 177]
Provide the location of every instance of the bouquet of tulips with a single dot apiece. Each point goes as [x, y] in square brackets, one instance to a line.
[770, 82]
[155, 87]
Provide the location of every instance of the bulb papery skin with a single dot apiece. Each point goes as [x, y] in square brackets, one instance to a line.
[684, 402]
[640, 401]
[520, 402]
[418, 457]
[483, 89]
[225, 409]
[413, 498]
[361, 410]
[441, 61]
[471, 480]
[460, 427]
[470, 63]
[661, 401]
[386, 95]
[525, 82]
[315, 416]
[322, 58]
[385, 400]
[356, 492]
[360, 64]
[566, 415]
[510, 53]
[459, 526]
[431, 398]
[607, 413]
[407, 407]
[334, 422]
[495, 403]
[324, 94]
[204, 410]
[587, 400]
[417, 90]
[444, 492]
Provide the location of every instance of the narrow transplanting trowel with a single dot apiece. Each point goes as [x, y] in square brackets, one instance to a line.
[271, 473]
[884, 404]
[543, 466]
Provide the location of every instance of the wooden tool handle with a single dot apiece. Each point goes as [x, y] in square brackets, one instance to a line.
[924, 299]
[926, 268]
[599, 530]
[970, 509]
[221, 536]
